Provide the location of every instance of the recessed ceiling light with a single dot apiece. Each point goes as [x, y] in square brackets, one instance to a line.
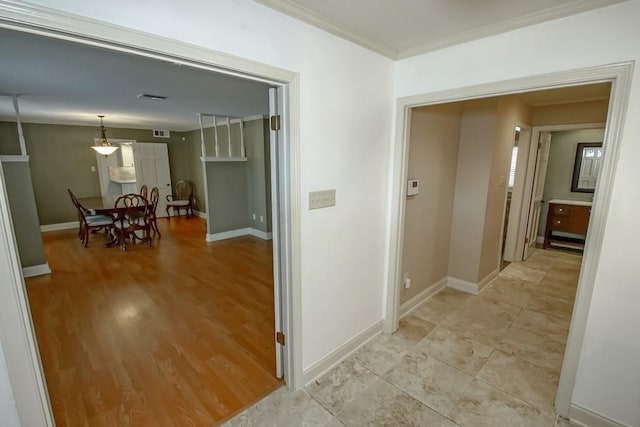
[152, 97]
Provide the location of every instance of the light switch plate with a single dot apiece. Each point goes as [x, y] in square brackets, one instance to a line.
[322, 199]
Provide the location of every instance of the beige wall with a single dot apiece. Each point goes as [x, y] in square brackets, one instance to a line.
[475, 153]
[581, 112]
[510, 111]
[433, 152]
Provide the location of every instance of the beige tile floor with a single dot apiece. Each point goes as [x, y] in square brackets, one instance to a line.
[456, 360]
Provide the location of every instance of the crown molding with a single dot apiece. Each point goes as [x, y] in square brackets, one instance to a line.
[293, 9]
[312, 18]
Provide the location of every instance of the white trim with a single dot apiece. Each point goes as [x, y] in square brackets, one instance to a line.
[462, 285]
[16, 329]
[620, 76]
[540, 240]
[36, 270]
[228, 234]
[588, 418]
[530, 175]
[200, 214]
[311, 17]
[59, 226]
[14, 158]
[260, 234]
[18, 343]
[488, 279]
[238, 233]
[223, 159]
[341, 353]
[233, 121]
[409, 305]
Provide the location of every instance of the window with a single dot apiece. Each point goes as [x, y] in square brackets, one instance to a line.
[512, 169]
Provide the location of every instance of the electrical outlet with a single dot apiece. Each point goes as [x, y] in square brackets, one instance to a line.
[407, 281]
[261, 218]
[254, 216]
[93, 168]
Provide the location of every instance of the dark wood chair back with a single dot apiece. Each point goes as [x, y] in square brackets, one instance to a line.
[132, 214]
[153, 201]
[144, 190]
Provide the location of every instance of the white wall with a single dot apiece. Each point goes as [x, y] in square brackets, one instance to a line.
[345, 130]
[609, 369]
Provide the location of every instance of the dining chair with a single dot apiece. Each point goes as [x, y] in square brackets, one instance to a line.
[144, 190]
[89, 223]
[153, 202]
[181, 199]
[132, 214]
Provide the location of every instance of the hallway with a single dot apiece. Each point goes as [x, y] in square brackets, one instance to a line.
[457, 359]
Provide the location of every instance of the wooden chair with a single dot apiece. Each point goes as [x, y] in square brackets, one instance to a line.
[153, 201]
[182, 199]
[132, 214]
[144, 191]
[88, 222]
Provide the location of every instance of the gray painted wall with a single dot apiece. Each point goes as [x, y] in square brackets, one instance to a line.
[562, 155]
[60, 158]
[258, 178]
[228, 201]
[24, 214]
[238, 190]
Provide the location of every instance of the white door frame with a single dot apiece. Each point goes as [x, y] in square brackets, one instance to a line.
[16, 328]
[620, 76]
[527, 190]
[513, 226]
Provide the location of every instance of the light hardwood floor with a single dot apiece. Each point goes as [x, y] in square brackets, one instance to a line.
[179, 334]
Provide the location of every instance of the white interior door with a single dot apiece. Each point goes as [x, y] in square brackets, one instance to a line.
[278, 221]
[152, 168]
[542, 160]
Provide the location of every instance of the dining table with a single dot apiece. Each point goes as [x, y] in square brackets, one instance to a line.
[99, 205]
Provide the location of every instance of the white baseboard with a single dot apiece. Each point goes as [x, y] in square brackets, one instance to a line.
[462, 285]
[338, 355]
[228, 234]
[59, 226]
[199, 214]
[488, 279]
[409, 305]
[36, 270]
[237, 233]
[588, 418]
[261, 234]
[540, 239]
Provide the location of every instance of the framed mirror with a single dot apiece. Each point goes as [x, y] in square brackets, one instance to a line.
[586, 167]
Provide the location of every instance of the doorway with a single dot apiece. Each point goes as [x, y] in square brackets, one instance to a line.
[32, 399]
[587, 272]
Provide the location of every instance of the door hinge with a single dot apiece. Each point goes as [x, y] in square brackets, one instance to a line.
[275, 122]
[526, 240]
[539, 145]
[280, 338]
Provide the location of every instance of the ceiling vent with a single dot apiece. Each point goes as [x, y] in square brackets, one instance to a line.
[159, 133]
[152, 97]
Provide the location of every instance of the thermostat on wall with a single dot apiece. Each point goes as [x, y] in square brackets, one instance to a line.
[413, 186]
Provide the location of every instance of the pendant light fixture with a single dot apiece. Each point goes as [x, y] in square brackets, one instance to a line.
[104, 147]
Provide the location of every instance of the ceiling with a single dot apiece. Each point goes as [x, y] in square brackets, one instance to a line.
[403, 28]
[68, 83]
[61, 82]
